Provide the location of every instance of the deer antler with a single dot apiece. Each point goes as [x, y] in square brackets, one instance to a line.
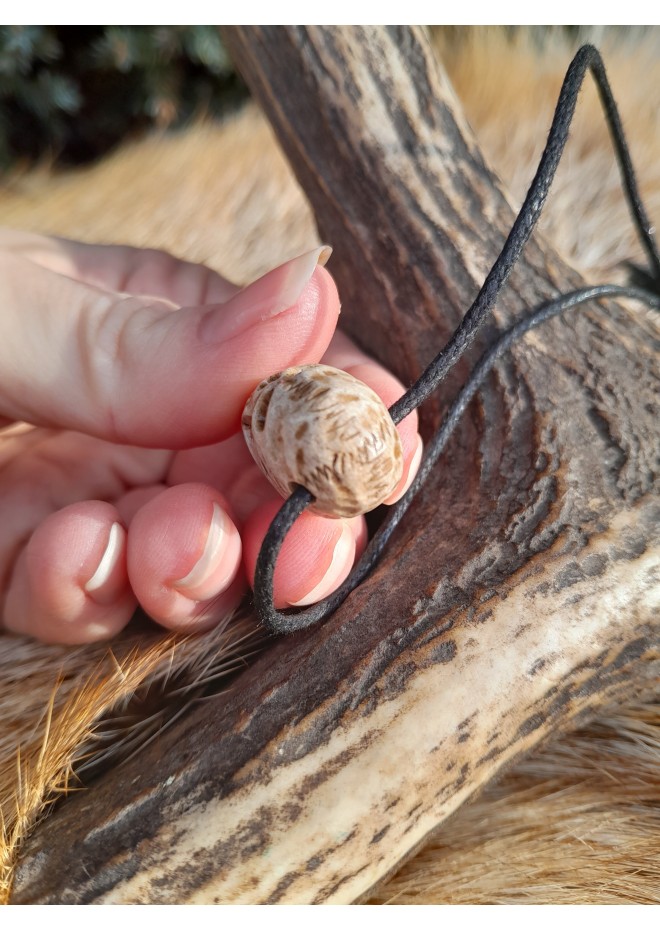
[519, 594]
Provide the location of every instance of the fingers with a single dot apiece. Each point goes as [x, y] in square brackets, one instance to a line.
[76, 353]
[81, 575]
[318, 553]
[315, 558]
[184, 552]
[69, 585]
[132, 370]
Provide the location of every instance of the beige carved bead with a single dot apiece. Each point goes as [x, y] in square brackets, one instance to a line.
[323, 429]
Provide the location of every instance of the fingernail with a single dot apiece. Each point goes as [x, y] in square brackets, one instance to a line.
[265, 298]
[109, 560]
[340, 565]
[217, 565]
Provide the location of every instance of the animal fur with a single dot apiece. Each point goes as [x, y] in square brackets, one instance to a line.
[577, 822]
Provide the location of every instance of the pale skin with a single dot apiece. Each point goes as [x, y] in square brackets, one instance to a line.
[123, 477]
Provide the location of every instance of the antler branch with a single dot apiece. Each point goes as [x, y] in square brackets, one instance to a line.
[521, 593]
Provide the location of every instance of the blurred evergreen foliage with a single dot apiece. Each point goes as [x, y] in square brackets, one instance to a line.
[71, 93]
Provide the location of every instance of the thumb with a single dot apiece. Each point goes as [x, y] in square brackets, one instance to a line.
[142, 371]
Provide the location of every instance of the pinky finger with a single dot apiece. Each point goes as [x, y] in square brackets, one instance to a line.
[69, 584]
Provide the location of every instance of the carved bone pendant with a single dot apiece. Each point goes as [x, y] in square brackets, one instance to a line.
[321, 428]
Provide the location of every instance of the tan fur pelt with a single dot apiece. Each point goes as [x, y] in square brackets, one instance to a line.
[509, 92]
[578, 821]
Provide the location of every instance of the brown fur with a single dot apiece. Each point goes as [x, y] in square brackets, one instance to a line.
[577, 822]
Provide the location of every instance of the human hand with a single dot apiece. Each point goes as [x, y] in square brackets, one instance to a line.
[123, 479]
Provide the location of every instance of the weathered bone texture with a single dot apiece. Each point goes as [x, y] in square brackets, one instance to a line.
[521, 592]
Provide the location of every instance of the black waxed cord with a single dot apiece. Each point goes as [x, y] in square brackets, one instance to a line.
[587, 58]
[280, 622]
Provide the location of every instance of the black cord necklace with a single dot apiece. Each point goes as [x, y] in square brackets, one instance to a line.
[587, 58]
